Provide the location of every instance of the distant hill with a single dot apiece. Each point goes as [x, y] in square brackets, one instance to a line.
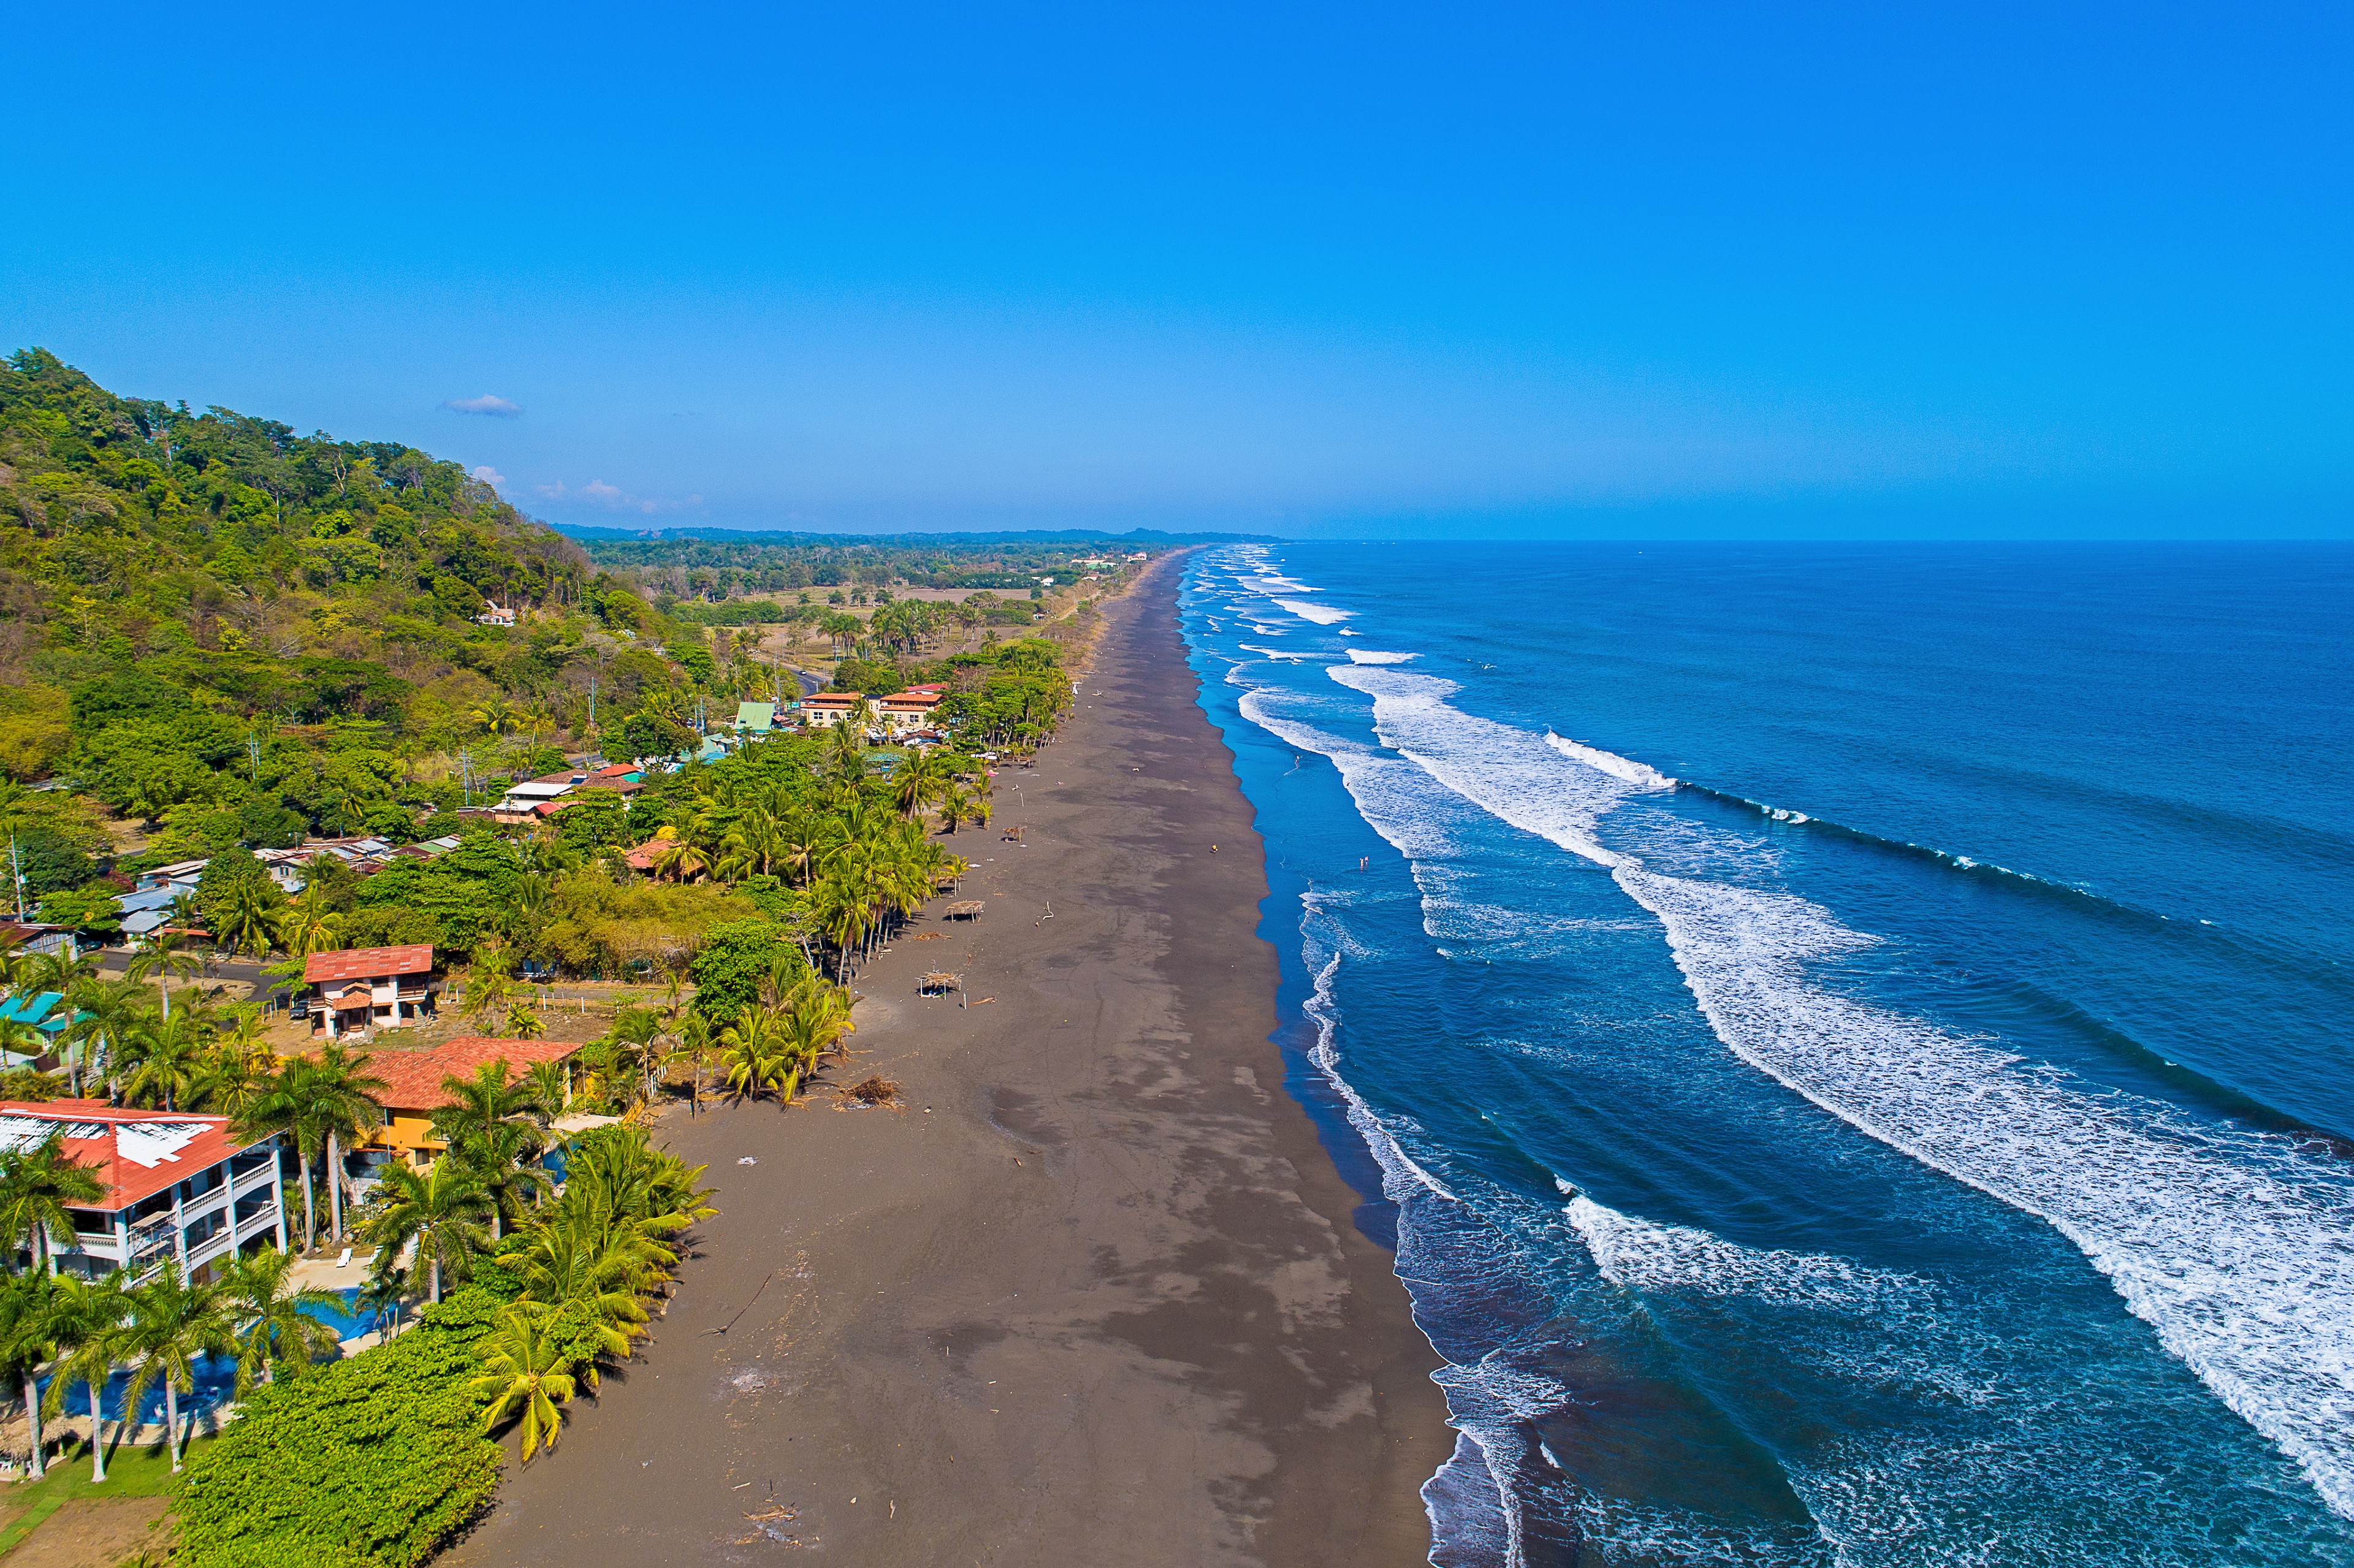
[954, 540]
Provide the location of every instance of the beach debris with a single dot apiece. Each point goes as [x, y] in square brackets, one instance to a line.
[874, 1091]
[748, 1160]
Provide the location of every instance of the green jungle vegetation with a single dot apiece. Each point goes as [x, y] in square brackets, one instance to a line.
[222, 638]
[374, 1460]
[228, 637]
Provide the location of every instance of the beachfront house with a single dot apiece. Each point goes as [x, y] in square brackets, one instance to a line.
[365, 988]
[904, 712]
[181, 1189]
[829, 708]
[413, 1090]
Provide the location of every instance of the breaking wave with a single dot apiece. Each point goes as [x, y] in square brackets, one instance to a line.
[2236, 1246]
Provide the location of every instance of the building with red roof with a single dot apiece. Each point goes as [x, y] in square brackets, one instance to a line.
[181, 1189]
[413, 1088]
[365, 988]
[903, 712]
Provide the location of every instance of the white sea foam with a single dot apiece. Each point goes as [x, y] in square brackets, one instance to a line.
[1623, 769]
[2235, 1246]
[1322, 614]
[1375, 656]
[1274, 652]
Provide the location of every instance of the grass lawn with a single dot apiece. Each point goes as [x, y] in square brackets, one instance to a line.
[130, 1473]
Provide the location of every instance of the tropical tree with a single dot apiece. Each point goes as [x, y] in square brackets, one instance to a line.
[273, 1327]
[526, 1364]
[284, 1111]
[751, 1055]
[338, 1107]
[309, 923]
[162, 1057]
[439, 1210]
[86, 1321]
[103, 1014]
[28, 1342]
[173, 1322]
[382, 1298]
[523, 1023]
[920, 779]
[163, 955]
[496, 1129]
[245, 919]
[37, 1184]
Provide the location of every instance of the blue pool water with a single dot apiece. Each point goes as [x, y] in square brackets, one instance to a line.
[216, 1376]
[1852, 1040]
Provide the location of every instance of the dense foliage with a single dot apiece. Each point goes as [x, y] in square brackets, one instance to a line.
[376, 1460]
[373, 1460]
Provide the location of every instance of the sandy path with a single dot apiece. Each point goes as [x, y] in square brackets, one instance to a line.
[1102, 1305]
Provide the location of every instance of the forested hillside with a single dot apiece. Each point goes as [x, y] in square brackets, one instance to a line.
[215, 633]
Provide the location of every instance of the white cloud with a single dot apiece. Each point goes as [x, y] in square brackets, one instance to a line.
[490, 475]
[614, 498]
[490, 402]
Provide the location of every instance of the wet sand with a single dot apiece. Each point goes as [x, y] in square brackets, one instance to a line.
[1094, 1297]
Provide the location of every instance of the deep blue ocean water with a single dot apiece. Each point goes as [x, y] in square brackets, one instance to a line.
[1850, 1042]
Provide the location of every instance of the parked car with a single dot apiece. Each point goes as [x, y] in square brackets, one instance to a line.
[298, 1008]
[538, 974]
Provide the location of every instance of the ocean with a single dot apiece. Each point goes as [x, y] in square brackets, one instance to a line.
[1849, 1043]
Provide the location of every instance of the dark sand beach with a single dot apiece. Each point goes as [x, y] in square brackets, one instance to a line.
[1094, 1296]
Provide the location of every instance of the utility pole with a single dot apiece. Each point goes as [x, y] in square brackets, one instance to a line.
[16, 875]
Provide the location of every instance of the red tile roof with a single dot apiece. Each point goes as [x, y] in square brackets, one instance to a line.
[412, 1079]
[128, 1180]
[368, 963]
[832, 700]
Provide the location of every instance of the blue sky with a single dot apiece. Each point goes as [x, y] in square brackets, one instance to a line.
[1338, 270]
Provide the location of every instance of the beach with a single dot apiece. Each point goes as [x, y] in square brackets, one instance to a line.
[1094, 1295]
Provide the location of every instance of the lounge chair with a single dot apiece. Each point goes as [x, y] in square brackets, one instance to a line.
[344, 1261]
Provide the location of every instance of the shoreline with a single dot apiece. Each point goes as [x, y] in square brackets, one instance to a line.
[1096, 1294]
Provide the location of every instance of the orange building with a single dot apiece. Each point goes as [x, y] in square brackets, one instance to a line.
[413, 1090]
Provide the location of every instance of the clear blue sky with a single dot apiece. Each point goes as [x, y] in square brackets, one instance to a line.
[1338, 270]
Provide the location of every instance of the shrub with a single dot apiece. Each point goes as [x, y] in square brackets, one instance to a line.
[371, 1462]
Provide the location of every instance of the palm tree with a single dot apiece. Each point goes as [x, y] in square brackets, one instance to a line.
[162, 1057]
[524, 1024]
[246, 920]
[309, 925]
[495, 714]
[921, 778]
[752, 1053]
[551, 1086]
[597, 1263]
[681, 860]
[86, 1322]
[633, 1036]
[35, 1186]
[381, 1298]
[162, 957]
[338, 1106]
[496, 1129]
[173, 1322]
[694, 1042]
[103, 1014]
[284, 1111]
[28, 1342]
[273, 1327]
[437, 1209]
[524, 1359]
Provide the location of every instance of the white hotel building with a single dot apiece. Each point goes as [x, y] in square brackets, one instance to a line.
[181, 1190]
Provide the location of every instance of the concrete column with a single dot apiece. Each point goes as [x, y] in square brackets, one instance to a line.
[278, 1189]
[180, 1231]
